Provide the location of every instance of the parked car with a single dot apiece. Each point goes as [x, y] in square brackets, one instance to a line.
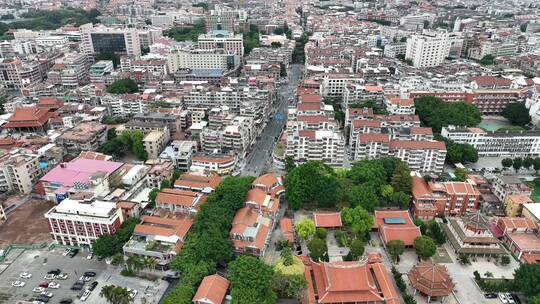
[43, 298]
[132, 293]
[47, 294]
[85, 279]
[85, 295]
[34, 301]
[62, 276]
[44, 284]
[90, 256]
[66, 301]
[18, 284]
[92, 286]
[49, 276]
[515, 298]
[89, 274]
[54, 285]
[73, 252]
[506, 298]
[38, 290]
[25, 275]
[55, 271]
[490, 295]
[66, 252]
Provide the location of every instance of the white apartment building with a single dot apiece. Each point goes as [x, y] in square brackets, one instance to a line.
[399, 106]
[180, 153]
[357, 93]
[125, 105]
[323, 145]
[222, 40]
[420, 155]
[52, 41]
[498, 144]
[101, 39]
[239, 135]
[392, 50]
[202, 59]
[19, 171]
[333, 85]
[428, 49]
[80, 223]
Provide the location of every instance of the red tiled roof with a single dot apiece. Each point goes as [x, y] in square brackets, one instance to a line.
[309, 106]
[28, 117]
[417, 144]
[369, 137]
[310, 98]
[212, 289]
[266, 180]
[327, 219]
[405, 231]
[431, 279]
[286, 227]
[190, 181]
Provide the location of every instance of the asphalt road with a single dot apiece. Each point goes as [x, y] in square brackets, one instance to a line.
[260, 157]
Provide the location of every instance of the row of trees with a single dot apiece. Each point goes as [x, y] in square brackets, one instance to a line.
[251, 39]
[299, 55]
[518, 163]
[402, 286]
[207, 244]
[108, 245]
[54, 19]
[526, 279]
[369, 183]
[128, 141]
[115, 294]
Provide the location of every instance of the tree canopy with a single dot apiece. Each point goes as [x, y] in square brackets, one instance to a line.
[395, 248]
[459, 153]
[251, 281]
[424, 246]
[109, 244]
[186, 33]
[436, 113]
[305, 228]
[517, 113]
[526, 279]
[122, 86]
[128, 141]
[358, 219]
[318, 251]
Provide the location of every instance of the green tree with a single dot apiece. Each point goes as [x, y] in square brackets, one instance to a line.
[505, 260]
[526, 279]
[111, 134]
[356, 249]
[176, 174]
[311, 183]
[305, 228]
[282, 70]
[287, 256]
[424, 246]
[461, 175]
[436, 113]
[251, 280]
[400, 199]
[115, 295]
[289, 164]
[165, 184]
[401, 179]
[186, 33]
[517, 113]
[122, 86]
[358, 219]
[386, 191]
[536, 163]
[364, 195]
[317, 249]
[152, 197]
[289, 286]
[528, 162]
[535, 299]
[321, 233]
[395, 248]
[507, 163]
[367, 171]
[251, 39]
[107, 245]
[459, 153]
[487, 60]
[377, 108]
[435, 232]
[517, 163]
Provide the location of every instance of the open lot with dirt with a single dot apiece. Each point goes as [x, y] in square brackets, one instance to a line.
[26, 225]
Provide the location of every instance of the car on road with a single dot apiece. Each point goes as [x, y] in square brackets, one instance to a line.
[66, 301]
[132, 293]
[85, 279]
[73, 253]
[66, 252]
[89, 274]
[515, 298]
[43, 298]
[25, 275]
[62, 276]
[49, 276]
[55, 271]
[54, 285]
[18, 284]
[90, 256]
[44, 284]
[34, 301]
[92, 286]
[38, 289]
[506, 298]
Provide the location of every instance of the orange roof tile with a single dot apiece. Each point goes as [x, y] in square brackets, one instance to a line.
[212, 289]
[327, 219]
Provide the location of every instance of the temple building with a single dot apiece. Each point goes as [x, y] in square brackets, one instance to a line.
[431, 280]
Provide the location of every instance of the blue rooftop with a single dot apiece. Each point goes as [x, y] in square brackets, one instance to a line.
[394, 220]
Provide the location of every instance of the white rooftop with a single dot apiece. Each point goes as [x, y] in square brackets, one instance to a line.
[94, 208]
[533, 209]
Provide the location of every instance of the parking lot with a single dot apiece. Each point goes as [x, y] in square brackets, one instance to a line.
[32, 261]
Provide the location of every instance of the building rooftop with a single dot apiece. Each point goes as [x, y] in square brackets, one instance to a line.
[79, 170]
[327, 219]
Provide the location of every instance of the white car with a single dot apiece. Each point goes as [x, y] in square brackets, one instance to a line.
[47, 294]
[62, 276]
[66, 252]
[85, 295]
[108, 261]
[54, 285]
[25, 275]
[85, 279]
[49, 276]
[506, 298]
[18, 284]
[38, 302]
[90, 256]
[38, 289]
[132, 293]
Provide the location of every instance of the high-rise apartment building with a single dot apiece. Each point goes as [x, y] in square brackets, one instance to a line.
[428, 49]
[222, 40]
[101, 39]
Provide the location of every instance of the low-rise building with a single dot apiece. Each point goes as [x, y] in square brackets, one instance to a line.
[158, 238]
[199, 183]
[154, 142]
[180, 201]
[514, 204]
[399, 106]
[505, 185]
[86, 136]
[212, 290]
[159, 171]
[19, 171]
[81, 222]
[395, 225]
[220, 164]
[180, 153]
